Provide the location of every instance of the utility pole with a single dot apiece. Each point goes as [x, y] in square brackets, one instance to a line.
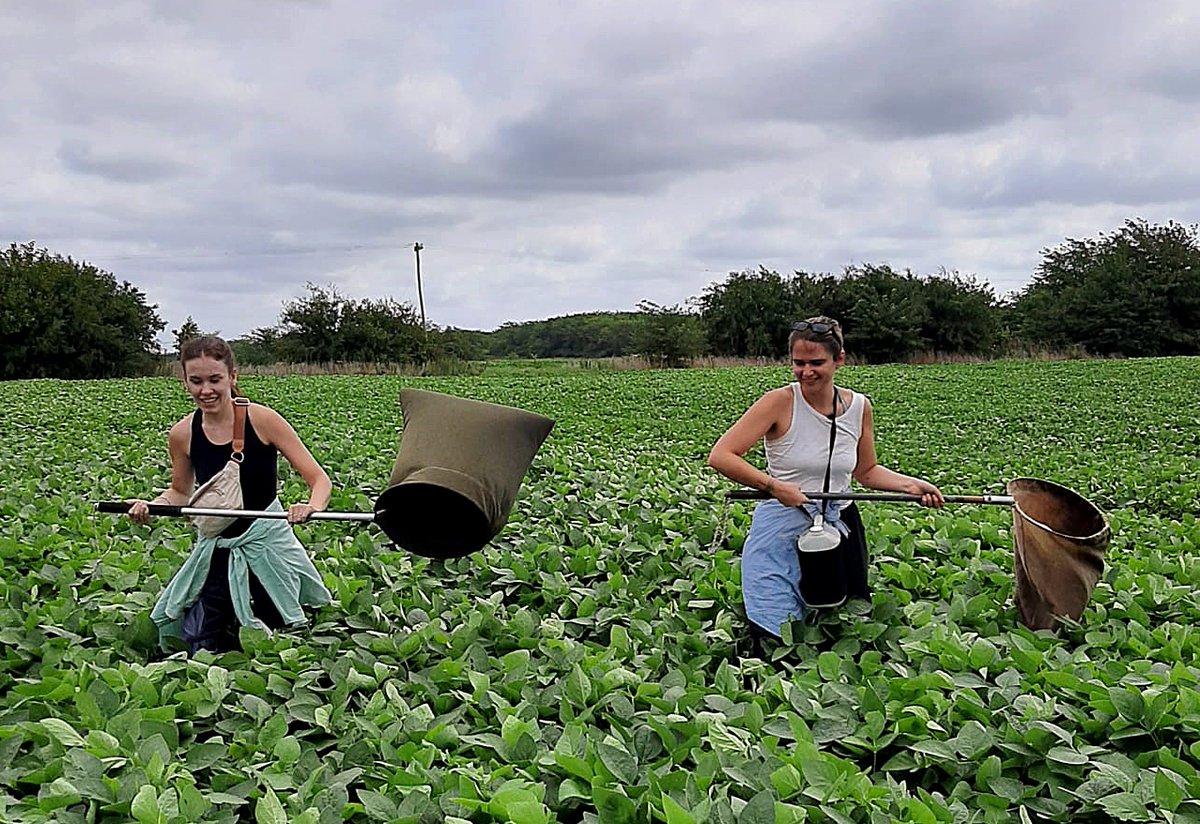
[420, 295]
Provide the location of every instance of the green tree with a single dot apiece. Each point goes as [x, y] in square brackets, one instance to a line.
[187, 330]
[886, 315]
[811, 295]
[259, 347]
[383, 331]
[748, 315]
[586, 335]
[61, 318]
[311, 325]
[884, 322]
[963, 315]
[324, 327]
[669, 336]
[1135, 291]
[464, 344]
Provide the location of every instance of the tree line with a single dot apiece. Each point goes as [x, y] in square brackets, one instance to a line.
[1134, 291]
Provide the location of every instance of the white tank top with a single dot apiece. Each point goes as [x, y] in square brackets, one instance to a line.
[801, 454]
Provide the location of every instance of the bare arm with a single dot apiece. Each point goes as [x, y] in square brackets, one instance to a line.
[183, 475]
[871, 474]
[274, 429]
[768, 417]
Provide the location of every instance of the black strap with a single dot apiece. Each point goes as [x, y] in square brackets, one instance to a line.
[832, 438]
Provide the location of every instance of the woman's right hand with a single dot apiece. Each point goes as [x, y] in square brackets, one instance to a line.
[787, 494]
[139, 511]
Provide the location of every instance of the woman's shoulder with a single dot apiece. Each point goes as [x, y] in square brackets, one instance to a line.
[857, 403]
[262, 415]
[267, 422]
[181, 430]
[779, 396]
[261, 410]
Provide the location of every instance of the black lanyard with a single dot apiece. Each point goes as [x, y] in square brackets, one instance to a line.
[832, 438]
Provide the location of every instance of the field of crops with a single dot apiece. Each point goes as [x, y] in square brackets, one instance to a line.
[591, 663]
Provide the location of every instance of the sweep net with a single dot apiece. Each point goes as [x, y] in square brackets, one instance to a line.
[1059, 541]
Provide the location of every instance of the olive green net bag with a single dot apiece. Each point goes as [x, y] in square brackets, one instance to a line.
[457, 472]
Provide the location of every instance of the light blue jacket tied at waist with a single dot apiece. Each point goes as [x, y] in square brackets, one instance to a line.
[279, 561]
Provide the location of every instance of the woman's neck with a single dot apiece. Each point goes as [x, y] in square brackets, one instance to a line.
[820, 397]
[220, 416]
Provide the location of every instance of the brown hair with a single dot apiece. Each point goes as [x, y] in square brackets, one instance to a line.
[209, 346]
[831, 340]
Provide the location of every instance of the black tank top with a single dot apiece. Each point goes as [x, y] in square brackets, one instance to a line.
[259, 474]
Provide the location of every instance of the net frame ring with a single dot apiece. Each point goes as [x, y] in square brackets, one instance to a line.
[1059, 543]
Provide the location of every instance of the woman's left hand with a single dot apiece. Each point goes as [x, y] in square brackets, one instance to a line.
[299, 513]
[930, 495]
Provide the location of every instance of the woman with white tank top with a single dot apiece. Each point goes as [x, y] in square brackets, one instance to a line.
[794, 422]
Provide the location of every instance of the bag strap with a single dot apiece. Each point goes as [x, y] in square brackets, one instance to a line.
[832, 438]
[240, 405]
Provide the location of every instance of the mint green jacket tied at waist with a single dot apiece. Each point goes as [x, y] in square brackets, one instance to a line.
[279, 560]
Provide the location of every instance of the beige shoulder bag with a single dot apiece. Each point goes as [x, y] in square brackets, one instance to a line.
[223, 490]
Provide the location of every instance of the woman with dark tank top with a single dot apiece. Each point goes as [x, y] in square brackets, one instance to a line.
[255, 572]
[794, 423]
[259, 470]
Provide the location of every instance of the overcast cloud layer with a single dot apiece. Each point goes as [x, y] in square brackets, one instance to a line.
[556, 158]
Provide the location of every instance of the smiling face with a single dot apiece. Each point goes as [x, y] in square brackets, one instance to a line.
[209, 381]
[813, 364]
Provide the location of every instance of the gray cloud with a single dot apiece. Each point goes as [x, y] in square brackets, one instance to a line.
[124, 167]
[1075, 182]
[556, 159]
[617, 145]
[933, 68]
[1180, 83]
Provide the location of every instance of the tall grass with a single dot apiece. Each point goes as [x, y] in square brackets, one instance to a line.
[550, 366]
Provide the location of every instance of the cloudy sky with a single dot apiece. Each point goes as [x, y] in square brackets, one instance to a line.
[560, 157]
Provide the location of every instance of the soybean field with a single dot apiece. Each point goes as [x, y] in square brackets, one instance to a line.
[591, 664]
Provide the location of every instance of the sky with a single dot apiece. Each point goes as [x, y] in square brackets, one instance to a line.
[554, 158]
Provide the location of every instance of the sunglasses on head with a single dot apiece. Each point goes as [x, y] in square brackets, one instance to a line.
[818, 327]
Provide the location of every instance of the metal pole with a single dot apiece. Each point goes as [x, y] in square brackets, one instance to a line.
[417, 247]
[167, 510]
[759, 495]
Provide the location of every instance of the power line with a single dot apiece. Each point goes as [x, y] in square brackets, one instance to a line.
[229, 253]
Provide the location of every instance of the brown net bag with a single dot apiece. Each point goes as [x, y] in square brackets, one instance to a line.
[1059, 542]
